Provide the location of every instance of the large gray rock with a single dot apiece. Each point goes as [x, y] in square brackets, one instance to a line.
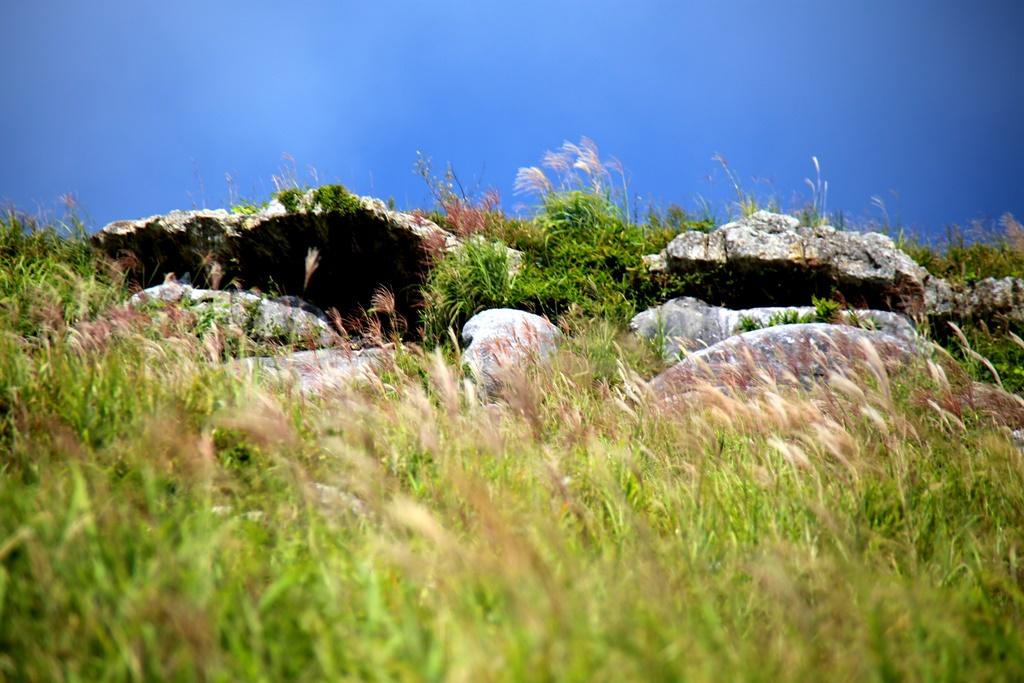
[787, 355]
[688, 324]
[987, 299]
[768, 259]
[319, 371]
[992, 298]
[361, 249]
[500, 339]
[284, 319]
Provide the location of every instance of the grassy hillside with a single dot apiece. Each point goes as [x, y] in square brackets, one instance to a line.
[163, 518]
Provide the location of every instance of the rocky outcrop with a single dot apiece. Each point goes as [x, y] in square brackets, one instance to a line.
[360, 244]
[992, 298]
[282, 319]
[768, 259]
[319, 371]
[986, 299]
[500, 339]
[787, 355]
[688, 324]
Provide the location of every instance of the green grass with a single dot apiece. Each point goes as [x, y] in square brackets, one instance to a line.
[964, 258]
[165, 519]
[580, 258]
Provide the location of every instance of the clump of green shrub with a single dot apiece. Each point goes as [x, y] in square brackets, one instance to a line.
[335, 199]
[476, 277]
[330, 198]
[825, 311]
[290, 198]
[578, 255]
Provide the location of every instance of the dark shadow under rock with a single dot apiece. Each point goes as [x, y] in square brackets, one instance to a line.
[359, 252]
[768, 259]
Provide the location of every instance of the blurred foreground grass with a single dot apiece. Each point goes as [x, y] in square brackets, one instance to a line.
[164, 519]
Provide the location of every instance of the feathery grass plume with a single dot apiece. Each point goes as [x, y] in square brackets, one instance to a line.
[1013, 230]
[215, 274]
[311, 264]
[745, 203]
[966, 346]
[579, 167]
[532, 180]
[817, 213]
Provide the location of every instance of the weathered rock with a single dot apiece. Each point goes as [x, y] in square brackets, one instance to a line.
[285, 319]
[688, 324]
[360, 251]
[994, 297]
[768, 259]
[987, 299]
[1017, 437]
[503, 338]
[319, 371]
[786, 355]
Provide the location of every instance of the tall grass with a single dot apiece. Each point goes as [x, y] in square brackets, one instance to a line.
[165, 518]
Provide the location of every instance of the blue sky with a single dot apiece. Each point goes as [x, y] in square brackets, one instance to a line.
[141, 107]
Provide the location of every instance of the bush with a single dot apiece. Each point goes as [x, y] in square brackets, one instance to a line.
[335, 199]
[329, 198]
[476, 277]
[50, 276]
[578, 255]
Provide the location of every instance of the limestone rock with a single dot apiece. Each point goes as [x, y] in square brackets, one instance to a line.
[284, 319]
[994, 297]
[319, 371]
[786, 355]
[688, 324]
[502, 338]
[360, 251]
[770, 260]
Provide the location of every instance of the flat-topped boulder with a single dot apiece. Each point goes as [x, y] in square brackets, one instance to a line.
[360, 246]
[768, 259]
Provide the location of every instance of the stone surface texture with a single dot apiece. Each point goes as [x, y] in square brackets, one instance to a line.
[319, 371]
[285, 319]
[688, 324]
[771, 260]
[500, 339]
[786, 355]
[774, 253]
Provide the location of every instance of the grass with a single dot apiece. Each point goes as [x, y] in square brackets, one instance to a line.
[580, 256]
[167, 519]
[964, 257]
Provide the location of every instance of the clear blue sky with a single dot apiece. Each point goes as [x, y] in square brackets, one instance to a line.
[138, 107]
